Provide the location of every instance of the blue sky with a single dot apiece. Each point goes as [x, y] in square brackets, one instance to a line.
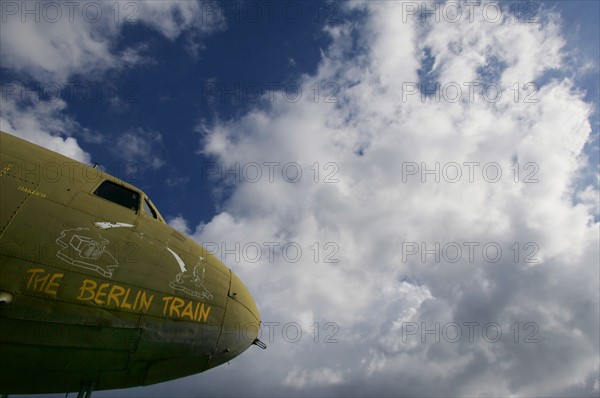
[163, 92]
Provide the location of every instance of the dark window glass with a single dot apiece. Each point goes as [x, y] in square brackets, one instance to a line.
[118, 194]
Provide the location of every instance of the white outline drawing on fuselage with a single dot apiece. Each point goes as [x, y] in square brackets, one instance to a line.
[192, 285]
[84, 251]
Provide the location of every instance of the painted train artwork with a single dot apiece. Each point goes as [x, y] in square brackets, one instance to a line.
[97, 291]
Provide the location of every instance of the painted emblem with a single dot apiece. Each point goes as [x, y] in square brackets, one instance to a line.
[81, 248]
[190, 283]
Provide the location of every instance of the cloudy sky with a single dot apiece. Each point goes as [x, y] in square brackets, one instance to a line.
[408, 189]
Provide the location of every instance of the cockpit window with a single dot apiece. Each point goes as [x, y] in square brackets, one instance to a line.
[148, 209]
[118, 194]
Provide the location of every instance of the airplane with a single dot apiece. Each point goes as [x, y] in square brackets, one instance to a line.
[97, 292]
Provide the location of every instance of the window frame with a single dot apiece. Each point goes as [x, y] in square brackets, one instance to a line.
[153, 212]
[123, 188]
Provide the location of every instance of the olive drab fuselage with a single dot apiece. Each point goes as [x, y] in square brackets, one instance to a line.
[96, 289]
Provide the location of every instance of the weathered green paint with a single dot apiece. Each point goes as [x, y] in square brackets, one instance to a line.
[103, 293]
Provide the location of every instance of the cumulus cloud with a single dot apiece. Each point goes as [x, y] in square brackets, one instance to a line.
[179, 223]
[52, 41]
[139, 149]
[44, 123]
[419, 211]
[300, 379]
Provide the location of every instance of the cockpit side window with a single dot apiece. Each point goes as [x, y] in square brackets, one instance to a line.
[149, 210]
[119, 194]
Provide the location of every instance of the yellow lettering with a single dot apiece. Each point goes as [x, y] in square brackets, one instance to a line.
[6, 169]
[137, 297]
[31, 191]
[188, 311]
[33, 272]
[101, 293]
[40, 282]
[87, 286]
[43, 282]
[175, 306]
[114, 296]
[109, 295]
[52, 286]
[203, 315]
[196, 311]
[145, 301]
[167, 300]
[125, 304]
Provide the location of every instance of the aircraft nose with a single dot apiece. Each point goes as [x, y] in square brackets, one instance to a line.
[240, 326]
[239, 297]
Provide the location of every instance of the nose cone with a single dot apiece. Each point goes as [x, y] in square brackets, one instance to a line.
[240, 299]
[241, 324]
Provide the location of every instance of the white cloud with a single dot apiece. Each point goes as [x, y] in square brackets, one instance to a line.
[179, 223]
[140, 150]
[52, 41]
[590, 197]
[302, 378]
[43, 123]
[172, 18]
[372, 214]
